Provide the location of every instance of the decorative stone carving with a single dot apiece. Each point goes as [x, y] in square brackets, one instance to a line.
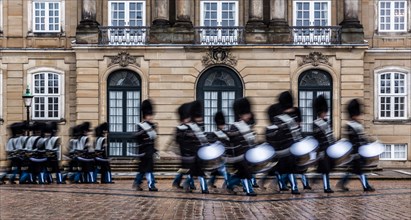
[219, 55]
[314, 58]
[123, 59]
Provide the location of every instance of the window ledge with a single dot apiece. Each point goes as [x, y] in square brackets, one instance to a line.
[50, 34]
[392, 122]
[393, 34]
[61, 121]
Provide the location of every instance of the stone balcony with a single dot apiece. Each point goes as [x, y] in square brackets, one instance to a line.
[220, 36]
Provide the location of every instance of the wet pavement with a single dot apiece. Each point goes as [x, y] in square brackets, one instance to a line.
[391, 200]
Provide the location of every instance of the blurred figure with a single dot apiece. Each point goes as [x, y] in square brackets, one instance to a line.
[102, 162]
[324, 135]
[221, 136]
[356, 135]
[146, 136]
[184, 117]
[241, 138]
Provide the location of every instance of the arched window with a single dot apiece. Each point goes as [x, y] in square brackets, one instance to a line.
[124, 98]
[218, 87]
[311, 84]
[392, 94]
[47, 92]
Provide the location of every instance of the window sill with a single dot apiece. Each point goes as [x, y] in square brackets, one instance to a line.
[44, 34]
[392, 122]
[394, 160]
[61, 121]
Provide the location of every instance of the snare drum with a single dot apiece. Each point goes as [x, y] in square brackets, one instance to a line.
[371, 153]
[260, 158]
[211, 156]
[305, 151]
[340, 152]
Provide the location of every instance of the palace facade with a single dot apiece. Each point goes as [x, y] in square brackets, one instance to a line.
[96, 60]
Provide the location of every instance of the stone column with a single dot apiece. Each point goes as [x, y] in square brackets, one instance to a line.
[279, 30]
[161, 13]
[87, 31]
[183, 30]
[255, 29]
[352, 30]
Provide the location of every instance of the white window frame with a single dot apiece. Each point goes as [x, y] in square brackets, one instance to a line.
[392, 16]
[219, 12]
[61, 102]
[31, 16]
[311, 10]
[392, 152]
[127, 9]
[406, 94]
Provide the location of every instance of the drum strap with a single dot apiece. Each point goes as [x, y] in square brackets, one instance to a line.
[221, 135]
[245, 131]
[51, 142]
[292, 126]
[99, 143]
[326, 129]
[148, 129]
[198, 133]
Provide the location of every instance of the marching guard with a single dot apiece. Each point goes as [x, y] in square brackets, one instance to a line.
[193, 138]
[356, 135]
[102, 162]
[241, 138]
[323, 133]
[221, 136]
[146, 136]
[285, 132]
[184, 117]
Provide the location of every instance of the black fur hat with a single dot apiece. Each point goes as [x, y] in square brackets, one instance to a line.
[241, 106]
[17, 128]
[354, 108]
[51, 127]
[219, 118]
[85, 127]
[286, 100]
[99, 130]
[147, 108]
[196, 109]
[320, 105]
[75, 131]
[184, 111]
[274, 110]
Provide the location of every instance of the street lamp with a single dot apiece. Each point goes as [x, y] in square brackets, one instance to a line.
[27, 98]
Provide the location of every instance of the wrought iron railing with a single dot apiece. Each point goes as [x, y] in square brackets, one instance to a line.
[316, 35]
[219, 35]
[123, 35]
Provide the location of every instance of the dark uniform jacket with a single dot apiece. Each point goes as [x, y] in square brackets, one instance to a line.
[146, 135]
[323, 133]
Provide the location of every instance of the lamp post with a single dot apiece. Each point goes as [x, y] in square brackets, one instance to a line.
[27, 98]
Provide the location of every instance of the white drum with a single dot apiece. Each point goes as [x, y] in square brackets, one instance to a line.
[260, 158]
[371, 153]
[305, 151]
[340, 152]
[211, 155]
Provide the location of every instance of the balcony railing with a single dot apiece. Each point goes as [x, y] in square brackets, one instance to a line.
[139, 35]
[124, 35]
[316, 35]
[219, 35]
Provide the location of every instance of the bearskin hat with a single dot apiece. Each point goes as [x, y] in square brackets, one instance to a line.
[219, 118]
[17, 128]
[320, 105]
[85, 127]
[147, 108]
[286, 100]
[354, 108]
[184, 111]
[241, 106]
[274, 110]
[196, 109]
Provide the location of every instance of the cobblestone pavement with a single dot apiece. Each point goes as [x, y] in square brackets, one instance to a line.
[391, 200]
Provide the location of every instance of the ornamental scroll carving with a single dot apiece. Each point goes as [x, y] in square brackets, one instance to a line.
[219, 55]
[123, 59]
[315, 59]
